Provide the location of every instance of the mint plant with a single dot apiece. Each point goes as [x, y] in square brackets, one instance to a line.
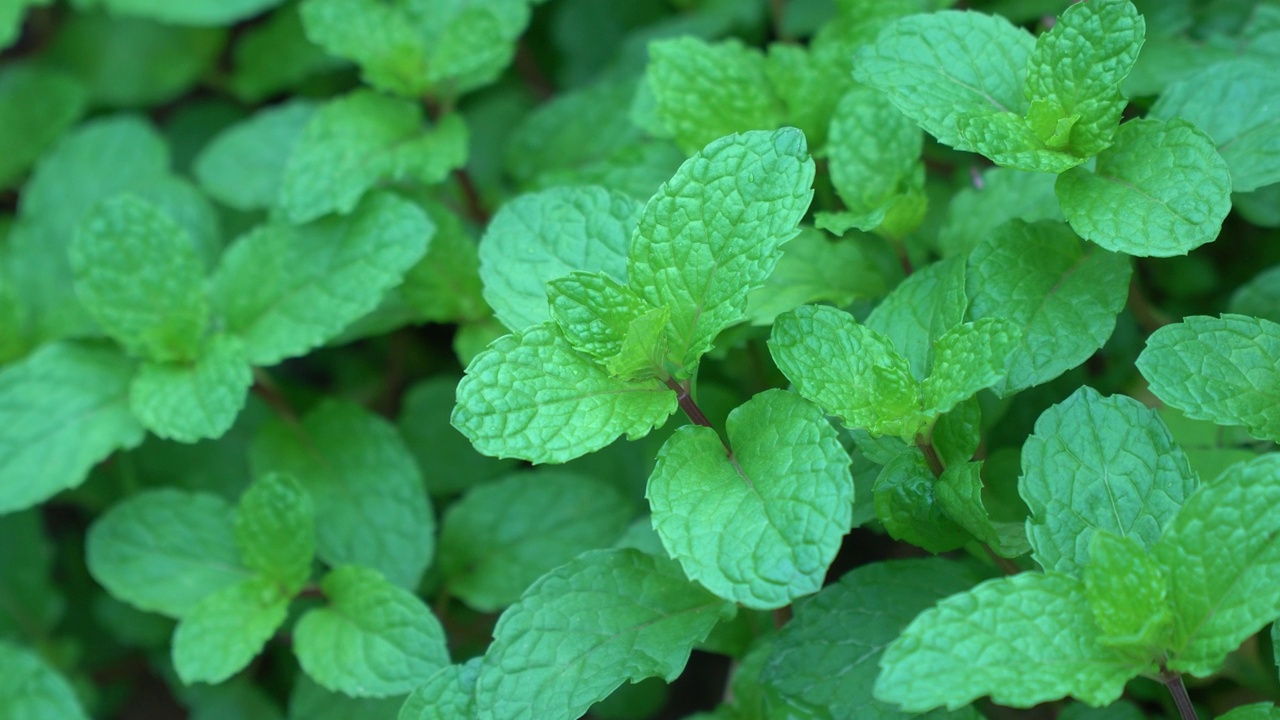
[874, 359]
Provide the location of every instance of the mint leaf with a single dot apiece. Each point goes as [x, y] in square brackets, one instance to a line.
[1160, 190]
[827, 657]
[276, 531]
[928, 303]
[848, 369]
[444, 286]
[165, 550]
[816, 268]
[373, 639]
[1023, 640]
[30, 688]
[968, 358]
[1223, 555]
[605, 617]
[714, 231]
[333, 453]
[37, 105]
[1255, 711]
[30, 603]
[959, 495]
[784, 491]
[275, 55]
[227, 629]
[554, 233]
[285, 289]
[594, 312]
[1063, 295]
[907, 503]
[449, 464]
[395, 62]
[998, 195]
[564, 405]
[446, 694]
[63, 408]
[244, 165]
[1012, 141]
[190, 401]
[1220, 369]
[309, 701]
[503, 536]
[874, 155]
[1127, 590]
[1099, 463]
[191, 12]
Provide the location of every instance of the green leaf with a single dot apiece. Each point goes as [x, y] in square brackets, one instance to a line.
[643, 347]
[274, 55]
[941, 67]
[848, 369]
[874, 157]
[1259, 297]
[309, 701]
[531, 396]
[1220, 369]
[353, 142]
[37, 105]
[1255, 711]
[784, 492]
[446, 694]
[583, 629]
[1127, 590]
[1012, 141]
[29, 688]
[1162, 189]
[1063, 295]
[166, 550]
[923, 307]
[554, 233]
[714, 231]
[333, 453]
[594, 312]
[1230, 101]
[243, 166]
[190, 12]
[827, 657]
[374, 639]
[62, 410]
[968, 358]
[816, 268]
[30, 603]
[1223, 553]
[286, 289]
[705, 91]
[227, 629]
[276, 531]
[444, 286]
[1023, 640]
[907, 503]
[998, 195]
[503, 536]
[190, 401]
[959, 495]
[448, 462]
[1099, 463]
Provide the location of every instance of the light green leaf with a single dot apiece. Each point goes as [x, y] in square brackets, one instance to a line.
[714, 231]
[447, 694]
[29, 688]
[923, 307]
[448, 462]
[37, 105]
[959, 495]
[1221, 369]
[552, 233]
[1162, 189]
[1099, 463]
[287, 289]
[643, 348]
[276, 531]
[1023, 640]
[1255, 711]
[227, 629]
[957, 433]
[374, 639]
[874, 157]
[583, 629]
[503, 536]
[761, 525]
[1223, 552]
[243, 166]
[1063, 295]
[817, 268]
[63, 409]
[968, 358]
[531, 396]
[827, 657]
[1128, 591]
[380, 37]
[190, 401]
[334, 452]
[941, 67]
[848, 369]
[907, 503]
[594, 312]
[166, 550]
[998, 195]
[189, 12]
[1011, 140]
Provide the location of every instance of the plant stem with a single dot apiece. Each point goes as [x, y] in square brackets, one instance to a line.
[930, 455]
[687, 404]
[1173, 681]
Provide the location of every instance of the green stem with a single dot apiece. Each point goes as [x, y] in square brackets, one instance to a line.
[1173, 681]
[685, 400]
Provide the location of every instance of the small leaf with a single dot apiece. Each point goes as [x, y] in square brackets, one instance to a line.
[968, 358]
[959, 494]
[907, 503]
[446, 694]
[594, 312]
[923, 307]
[29, 688]
[276, 531]
[190, 401]
[1128, 591]
[816, 268]
[243, 166]
[37, 105]
[874, 156]
[227, 629]
[449, 464]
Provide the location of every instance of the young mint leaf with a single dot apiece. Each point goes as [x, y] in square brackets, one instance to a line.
[244, 165]
[190, 401]
[227, 629]
[373, 639]
[333, 453]
[1231, 102]
[276, 531]
[503, 536]
[907, 504]
[1162, 189]
[166, 550]
[594, 312]
[957, 433]
[1127, 590]
[446, 694]
[968, 358]
[1099, 463]
[998, 195]
[63, 409]
[1062, 293]
[816, 268]
[928, 303]
[532, 396]
[449, 464]
[583, 629]
[1255, 711]
[1023, 640]
[784, 493]
[191, 12]
[1223, 552]
[1012, 141]
[848, 369]
[825, 659]
[554, 233]
[37, 105]
[643, 347]
[705, 91]
[286, 289]
[959, 495]
[714, 231]
[395, 63]
[29, 688]
[353, 142]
